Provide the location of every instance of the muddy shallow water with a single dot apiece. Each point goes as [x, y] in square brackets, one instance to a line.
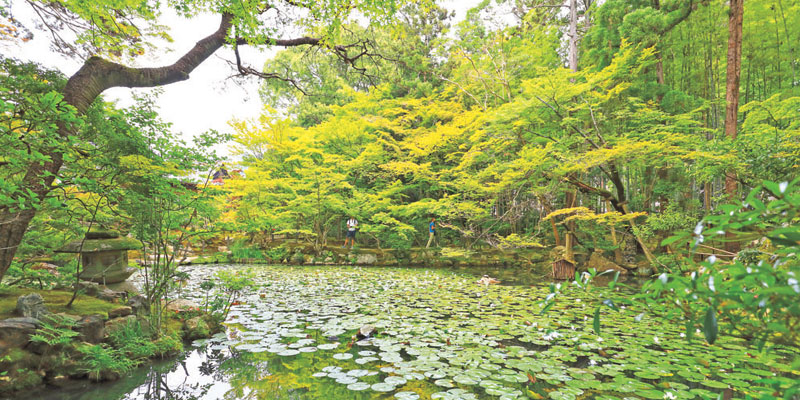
[439, 335]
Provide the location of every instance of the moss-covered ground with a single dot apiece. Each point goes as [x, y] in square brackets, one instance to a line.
[55, 301]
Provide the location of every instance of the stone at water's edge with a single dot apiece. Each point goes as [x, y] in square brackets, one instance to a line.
[602, 264]
[180, 305]
[15, 334]
[91, 328]
[117, 324]
[120, 312]
[366, 259]
[59, 381]
[111, 295]
[197, 328]
[32, 305]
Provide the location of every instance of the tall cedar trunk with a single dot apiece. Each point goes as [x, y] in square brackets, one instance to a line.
[732, 94]
[573, 35]
[732, 83]
[93, 78]
[570, 197]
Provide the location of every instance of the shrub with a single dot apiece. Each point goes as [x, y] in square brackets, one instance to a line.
[240, 249]
[231, 285]
[277, 254]
[131, 340]
[98, 361]
[755, 294]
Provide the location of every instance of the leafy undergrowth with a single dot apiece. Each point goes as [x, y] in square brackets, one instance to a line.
[442, 336]
[55, 301]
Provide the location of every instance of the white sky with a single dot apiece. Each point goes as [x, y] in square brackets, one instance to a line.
[207, 100]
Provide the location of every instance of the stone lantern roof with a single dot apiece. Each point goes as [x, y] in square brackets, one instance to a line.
[100, 240]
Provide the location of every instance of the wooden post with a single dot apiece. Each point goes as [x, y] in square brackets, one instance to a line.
[563, 270]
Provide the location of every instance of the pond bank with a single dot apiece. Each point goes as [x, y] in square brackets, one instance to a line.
[295, 253]
[99, 338]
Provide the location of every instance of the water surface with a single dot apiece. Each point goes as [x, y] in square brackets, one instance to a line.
[439, 335]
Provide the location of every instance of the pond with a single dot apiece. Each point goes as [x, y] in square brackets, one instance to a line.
[439, 336]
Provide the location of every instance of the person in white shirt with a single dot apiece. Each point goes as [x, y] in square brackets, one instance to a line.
[352, 226]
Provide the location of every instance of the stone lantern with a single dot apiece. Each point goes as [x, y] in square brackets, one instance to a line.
[104, 256]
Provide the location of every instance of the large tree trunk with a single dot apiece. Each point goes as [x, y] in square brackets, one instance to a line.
[571, 195]
[732, 95]
[573, 35]
[93, 78]
[732, 83]
[13, 224]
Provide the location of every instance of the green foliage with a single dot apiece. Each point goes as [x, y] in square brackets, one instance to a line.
[230, 284]
[240, 249]
[277, 253]
[56, 331]
[99, 359]
[135, 344]
[673, 219]
[754, 295]
[132, 341]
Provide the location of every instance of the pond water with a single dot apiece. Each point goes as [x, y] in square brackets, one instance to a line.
[439, 336]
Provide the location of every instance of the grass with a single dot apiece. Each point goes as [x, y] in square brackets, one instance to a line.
[55, 301]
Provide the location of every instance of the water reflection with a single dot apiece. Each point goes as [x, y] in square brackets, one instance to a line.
[324, 306]
[196, 375]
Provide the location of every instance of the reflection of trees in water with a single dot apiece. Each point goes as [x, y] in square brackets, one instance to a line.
[267, 376]
[242, 365]
[164, 384]
[211, 366]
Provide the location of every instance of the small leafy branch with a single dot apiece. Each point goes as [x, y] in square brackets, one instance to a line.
[231, 285]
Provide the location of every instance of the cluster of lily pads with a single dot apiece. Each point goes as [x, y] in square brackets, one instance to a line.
[439, 335]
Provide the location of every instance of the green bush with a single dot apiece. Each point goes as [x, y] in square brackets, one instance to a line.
[755, 295]
[55, 331]
[230, 285]
[167, 345]
[131, 340]
[99, 360]
[241, 249]
[277, 254]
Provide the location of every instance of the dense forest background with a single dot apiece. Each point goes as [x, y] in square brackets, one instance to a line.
[613, 117]
[591, 125]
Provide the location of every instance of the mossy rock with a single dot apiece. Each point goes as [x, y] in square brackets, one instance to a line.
[196, 328]
[297, 258]
[16, 358]
[18, 380]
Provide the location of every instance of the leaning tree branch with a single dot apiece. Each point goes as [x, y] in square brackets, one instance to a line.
[98, 74]
[247, 70]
